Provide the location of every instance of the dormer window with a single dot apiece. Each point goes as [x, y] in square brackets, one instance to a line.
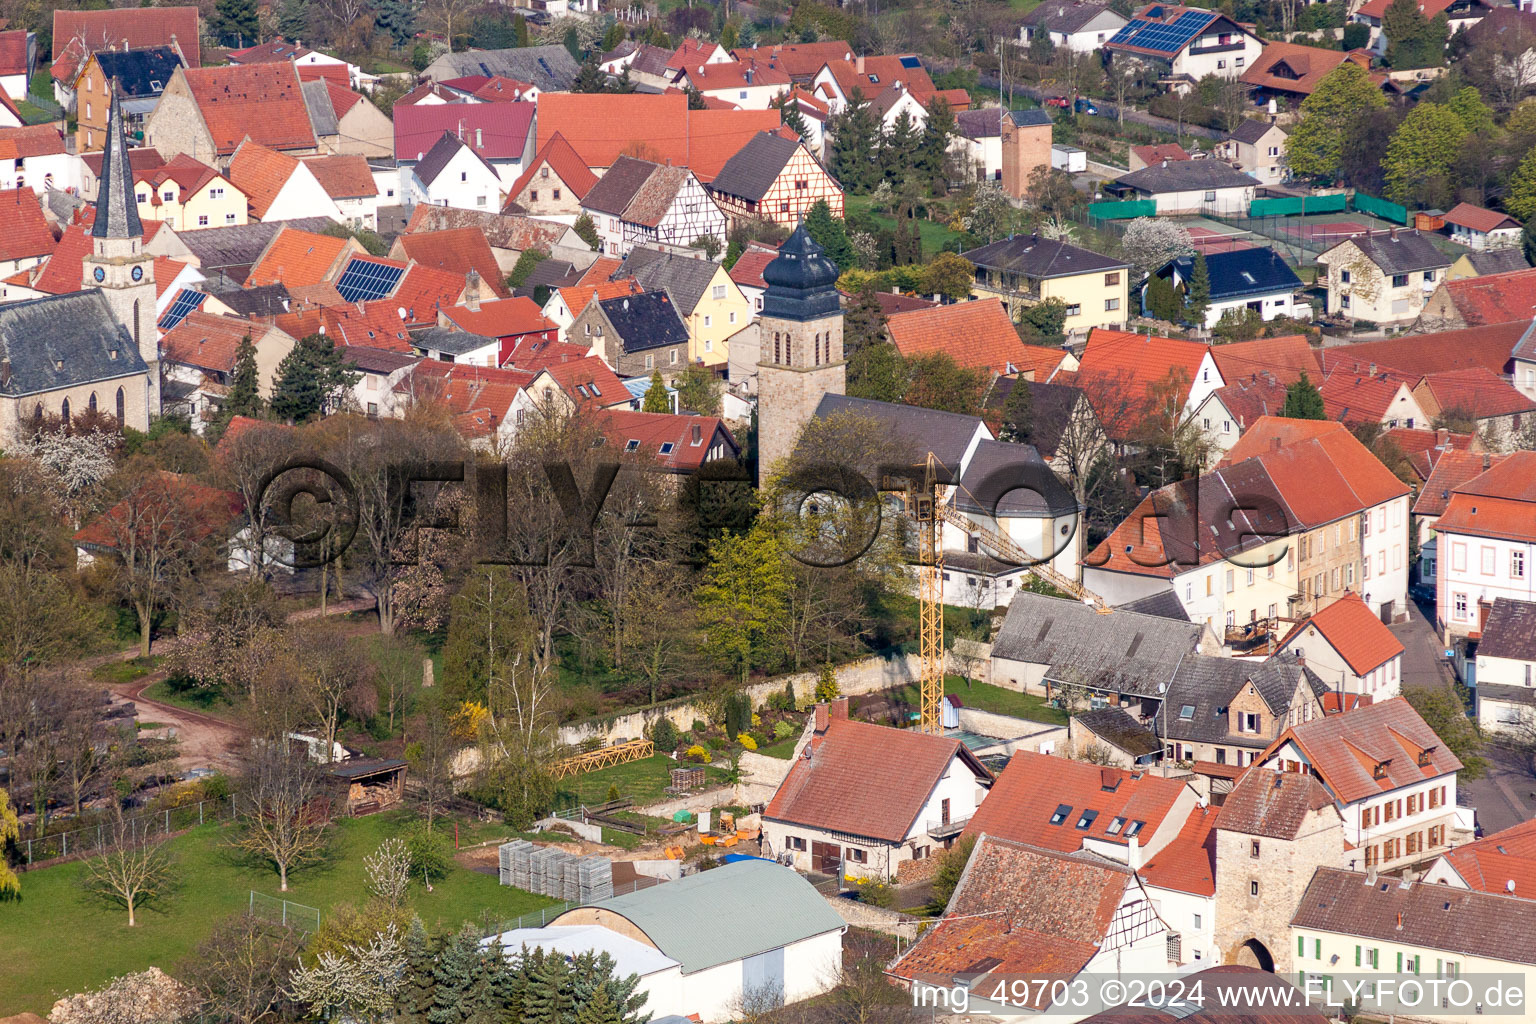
[1062, 810]
[1380, 770]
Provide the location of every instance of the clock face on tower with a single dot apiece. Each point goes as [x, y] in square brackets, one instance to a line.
[138, 273]
[101, 275]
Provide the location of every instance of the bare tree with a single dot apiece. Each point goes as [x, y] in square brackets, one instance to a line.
[90, 749]
[136, 868]
[233, 641]
[658, 625]
[446, 14]
[246, 463]
[430, 749]
[282, 818]
[30, 721]
[330, 676]
[240, 972]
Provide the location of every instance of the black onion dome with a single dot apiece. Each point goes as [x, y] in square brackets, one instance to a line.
[802, 282]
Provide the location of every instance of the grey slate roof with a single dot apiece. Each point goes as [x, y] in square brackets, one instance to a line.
[1165, 604]
[1029, 118]
[1256, 271]
[1208, 684]
[456, 343]
[265, 300]
[550, 273]
[1033, 256]
[239, 245]
[616, 188]
[322, 114]
[986, 123]
[1051, 409]
[645, 321]
[1187, 176]
[139, 73]
[997, 465]
[61, 341]
[1113, 725]
[1498, 261]
[117, 214]
[1066, 16]
[551, 68]
[946, 434]
[1436, 917]
[684, 278]
[1510, 631]
[1400, 252]
[442, 151]
[1123, 651]
[1251, 131]
[755, 167]
[378, 360]
[754, 905]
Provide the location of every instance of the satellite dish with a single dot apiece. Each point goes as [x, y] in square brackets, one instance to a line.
[322, 329]
[401, 311]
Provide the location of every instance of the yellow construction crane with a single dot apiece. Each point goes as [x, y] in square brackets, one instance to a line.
[923, 508]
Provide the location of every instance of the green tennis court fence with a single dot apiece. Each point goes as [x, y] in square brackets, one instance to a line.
[1123, 209]
[1367, 203]
[1292, 206]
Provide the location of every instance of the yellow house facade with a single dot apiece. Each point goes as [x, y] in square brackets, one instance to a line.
[187, 195]
[1096, 299]
[721, 311]
[1025, 270]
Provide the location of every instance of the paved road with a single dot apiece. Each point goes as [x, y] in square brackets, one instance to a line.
[1422, 662]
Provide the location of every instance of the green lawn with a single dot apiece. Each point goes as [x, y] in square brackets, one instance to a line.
[113, 672]
[57, 941]
[996, 699]
[644, 781]
[784, 748]
[31, 114]
[933, 234]
[195, 699]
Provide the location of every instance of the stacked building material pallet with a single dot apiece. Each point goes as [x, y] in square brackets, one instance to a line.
[596, 877]
[514, 862]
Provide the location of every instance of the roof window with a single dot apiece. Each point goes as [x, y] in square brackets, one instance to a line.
[1116, 825]
[1186, 712]
[1136, 826]
[632, 445]
[1086, 821]
[1062, 810]
[667, 447]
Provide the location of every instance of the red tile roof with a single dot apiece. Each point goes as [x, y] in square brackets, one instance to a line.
[978, 335]
[501, 89]
[259, 101]
[602, 127]
[1388, 739]
[601, 387]
[40, 140]
[343, 176]
[736, 74]
[690, 52]
[801, 60]
[174, 504]
[208, 340]
[1250, 399]
[189, 175]
[1378, 8]
[297, 258]
[879, 74]
[260, 173]
[1291, 67]
[501, 318]
[1476, 218]
[1329, 477]
[830, 790]
[747, 271]
[1272, 804]
[334, 75]
[1019, 807]
[479, 396]
[166, 272]
[342, 98]
[1335, 703]
[1488, 346]
[273, 51]
[24, 232]
[535, 354]
[13, 52]
[577, 297]
[691, 437]
[1119, 370]
[1281, 430]
[493, 131]
[1494, 298]
[424, 91]
[457, 250]
[1513, 477]
[424, 290]
[1452, 469]
[119, 28]
[1499, 518]
[602, 269]
[1357, 398]
[564, 163]
[1477, 391]
[1285, 359]
[1492, 863]
[1188, 863]
[64, 271]
[1353, 630]
[1156, 154]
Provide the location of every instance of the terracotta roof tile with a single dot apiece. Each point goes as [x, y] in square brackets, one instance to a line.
[564, 163]
[1354, 631]
[36, 140]
[343, 177]
[736, 74]
[978, 335]
[297, 258]
[535, 354]
[1476, 218]
[427, 90]
[601, 385]
[479, 396]
[1345, 750]
[1499, 518]
[1020, 808]
[260, 173]
[1513, 478]
[209, 511]
[1451, 470]
[1119, 369]
[457, 250]
[1488, 346]
[501, 89]
[424, 290]
[123, 27]
[64, 270]
[1284, 358]
[24, 232]
[1188, 863]
[747, 271]
[1494, 298]
[1250, 399]
[801, 60]
[1150, 155]
[13, 52]
[1307, 66]
[1272, 804]
[208, 341]
[691, 437]
[261, 101]
[603, 127]
[503, 318]
[493, 131]
[825, 790]
[1477, 391]
[1490, 864]
[601, 271]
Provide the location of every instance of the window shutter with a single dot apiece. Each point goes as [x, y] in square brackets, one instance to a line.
[1317, 949]
[1399, 963]
[1357, 956]
[1301, 945]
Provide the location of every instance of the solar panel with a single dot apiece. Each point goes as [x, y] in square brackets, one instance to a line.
[364, 280]
[185, 302]
[911, 62]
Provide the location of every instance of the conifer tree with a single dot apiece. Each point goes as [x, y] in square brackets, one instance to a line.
[1199, 301]
[310, 380]
[1303, 401]
[855, 146]
[244, 398]
[656, 396]
[414, 998]
[549, 997]
[830, 233]
[1018, 414]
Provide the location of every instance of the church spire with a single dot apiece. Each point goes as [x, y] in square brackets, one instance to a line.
[117, 214]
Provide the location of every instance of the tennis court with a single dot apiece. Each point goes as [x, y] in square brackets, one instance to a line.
[1209, 240]
[1303, 238]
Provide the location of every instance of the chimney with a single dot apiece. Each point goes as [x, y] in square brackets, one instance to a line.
[1486, 462]
[858, 64]
[839, 708]
[1133, 853]
[1442, 437]
[1394, 234]
[821, 718]
[1371, 372]
[749, 76]
[697, 434]
[472, 291]
[1274, 444]
[479, 139]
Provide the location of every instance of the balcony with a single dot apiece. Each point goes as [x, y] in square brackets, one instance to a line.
[1195, 51]
[940, 829]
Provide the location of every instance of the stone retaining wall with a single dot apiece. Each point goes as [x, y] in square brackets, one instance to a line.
[862, 915]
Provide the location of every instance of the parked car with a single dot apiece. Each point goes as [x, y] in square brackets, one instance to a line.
[1056, 101]
[1085, 106]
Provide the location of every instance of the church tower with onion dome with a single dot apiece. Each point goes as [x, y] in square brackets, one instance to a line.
[118, 264]
[800, 345]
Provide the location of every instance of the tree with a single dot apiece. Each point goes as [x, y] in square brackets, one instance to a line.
[240, 971]
[656, 398]
[1367, 136]
[396, 18]
[988, 212]
[389, 872]
[1521, 200]
[829, 233]
[936, 381]
[952, 864]
[742, 598]
[1044, 322]
[1018, 413]
[855, 145]
[235, 23]
[10, 831]
[1303, 401]
[864, 322]
[244, 398]
[1198, 301]
[135, 869]
[358, 983]
[1444, 710]
[311, 380]
[430, 751]
[446, 15]
[1413, 40]
[1468, 106]
[275, 800]
[896, 147]
[1051, 191]
[931, 161]
[1163, 301]
[1422, 152]
[791, 117]
[876, 371]
[949, 274]
[699, 391]
[1149, 243]
[293, 19]
[583, 227]
[1238, 324]
[1317, 141]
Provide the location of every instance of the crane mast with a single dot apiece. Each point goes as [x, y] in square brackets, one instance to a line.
[922, 506]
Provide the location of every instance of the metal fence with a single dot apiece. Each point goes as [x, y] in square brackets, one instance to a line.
[1367, 203]
[297, 916]
[99, 836]
[539, 918]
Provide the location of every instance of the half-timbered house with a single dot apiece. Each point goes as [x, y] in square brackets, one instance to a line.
[638, 202]
[774, 178]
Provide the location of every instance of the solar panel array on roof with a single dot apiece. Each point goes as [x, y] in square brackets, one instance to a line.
[364, 280]
[911, 62]
[1160, 38]
[184, 303]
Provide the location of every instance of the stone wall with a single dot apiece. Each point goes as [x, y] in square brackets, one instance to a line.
[862, 915]
[586, 829]
[856, 677]
[910, 872]
[1016, 733]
